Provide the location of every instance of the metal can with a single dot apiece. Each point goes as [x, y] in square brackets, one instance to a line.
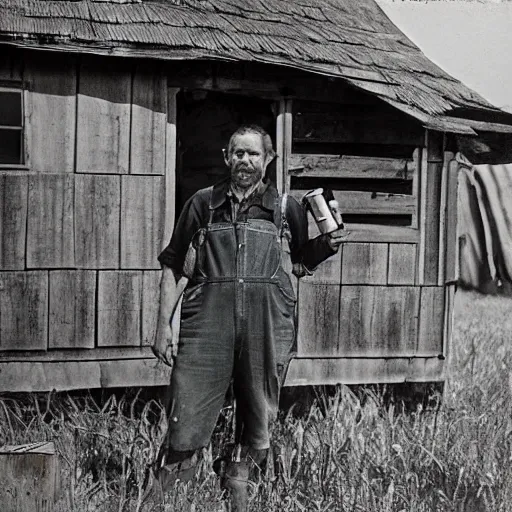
[317, 205]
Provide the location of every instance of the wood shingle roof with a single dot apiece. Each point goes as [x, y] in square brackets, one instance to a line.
[342, 38]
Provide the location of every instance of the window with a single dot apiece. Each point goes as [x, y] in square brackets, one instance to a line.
[11, 126]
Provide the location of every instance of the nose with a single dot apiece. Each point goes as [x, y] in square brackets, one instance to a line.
[245, 157]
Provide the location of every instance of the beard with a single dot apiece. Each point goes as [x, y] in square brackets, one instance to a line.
[244, 177]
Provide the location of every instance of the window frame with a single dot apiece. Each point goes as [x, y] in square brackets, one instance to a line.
[21, 88]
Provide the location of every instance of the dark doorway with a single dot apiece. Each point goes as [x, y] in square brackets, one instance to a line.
[206, 120]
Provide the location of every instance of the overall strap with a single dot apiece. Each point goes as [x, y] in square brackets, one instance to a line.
[280, 219]
[211, 208]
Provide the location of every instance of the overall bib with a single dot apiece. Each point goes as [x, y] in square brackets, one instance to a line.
[237, 323]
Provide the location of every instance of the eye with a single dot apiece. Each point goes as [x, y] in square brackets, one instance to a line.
[239, 154]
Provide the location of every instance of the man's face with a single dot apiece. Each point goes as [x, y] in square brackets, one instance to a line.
[247, 161]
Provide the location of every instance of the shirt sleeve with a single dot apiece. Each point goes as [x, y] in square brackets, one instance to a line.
[302, 250]
[189, 222]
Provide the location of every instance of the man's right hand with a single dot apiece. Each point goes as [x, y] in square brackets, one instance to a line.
[162, 346]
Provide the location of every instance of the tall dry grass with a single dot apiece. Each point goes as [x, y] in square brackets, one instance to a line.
[350, 452]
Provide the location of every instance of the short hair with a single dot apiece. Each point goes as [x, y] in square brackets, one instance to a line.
[253, 128]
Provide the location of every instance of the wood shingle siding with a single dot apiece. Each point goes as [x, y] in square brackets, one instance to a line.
[150, 304]
[142, 203]
[430, 340]
[51, 111]
[13, 221]
[103, 133]
[50, 240]
[402, 264]
[72, 310]
[24, 310]
[119, 308]
[148, 120]
[364, 263]
[97, 220]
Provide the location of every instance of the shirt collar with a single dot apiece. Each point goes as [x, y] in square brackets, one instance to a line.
[222, 190]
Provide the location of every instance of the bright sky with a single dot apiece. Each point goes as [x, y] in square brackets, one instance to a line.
[470, 39]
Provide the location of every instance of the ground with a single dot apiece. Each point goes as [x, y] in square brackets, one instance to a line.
[353, 450]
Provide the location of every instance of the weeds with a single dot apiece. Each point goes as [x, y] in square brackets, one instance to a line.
[347, 453]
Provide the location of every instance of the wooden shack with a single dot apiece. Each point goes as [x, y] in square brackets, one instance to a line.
[112, 112]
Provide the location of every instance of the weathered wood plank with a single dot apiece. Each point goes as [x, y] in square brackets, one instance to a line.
[50, 226]
[23, 310]
[280, 146]
[319, 317]
[378, 320]
[29, 476]
[64, 376]
[13, 221]
[443, 212]
[364, 263]
[72, 309]
[332, 370]
[170, 167]
[337, 166]
[416, 157]
[451, 223]
[142, 207]
[402, 264]
[431, 197]
[288, 141]
[369, 203]
[149, 109]
[380, 233]
[97, 221]
[103, 133]
[51, 110]
[75, 355]
[422, 221]
[150, 305]
[449, 306]
[336, 128]
[430, 335]
[119, 308]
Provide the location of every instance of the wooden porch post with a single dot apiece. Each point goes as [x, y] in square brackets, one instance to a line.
[283, 144]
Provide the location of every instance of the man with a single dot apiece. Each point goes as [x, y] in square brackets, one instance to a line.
[237, 317]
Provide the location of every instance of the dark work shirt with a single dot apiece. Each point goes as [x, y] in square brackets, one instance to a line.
[259, 205]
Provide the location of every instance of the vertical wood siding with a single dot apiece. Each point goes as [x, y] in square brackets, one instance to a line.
[24, 310]
[142, 204]
[97, 220]
[119, 308]
[150, 305]
[451, 223]
[378, 320]
[364, 263]
[72, 309]
[148, 120]
[13, 221]
[319, 316]
[51, 111]
[430, 339]
[103, 131]
[432, 167]
[402, 264]
[50, 241]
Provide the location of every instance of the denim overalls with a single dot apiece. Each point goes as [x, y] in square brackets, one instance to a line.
[237, 322]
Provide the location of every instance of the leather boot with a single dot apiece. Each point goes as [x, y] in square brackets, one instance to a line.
[161, 480]
[235, 479]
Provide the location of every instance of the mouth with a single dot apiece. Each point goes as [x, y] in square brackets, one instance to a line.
[244, 173]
